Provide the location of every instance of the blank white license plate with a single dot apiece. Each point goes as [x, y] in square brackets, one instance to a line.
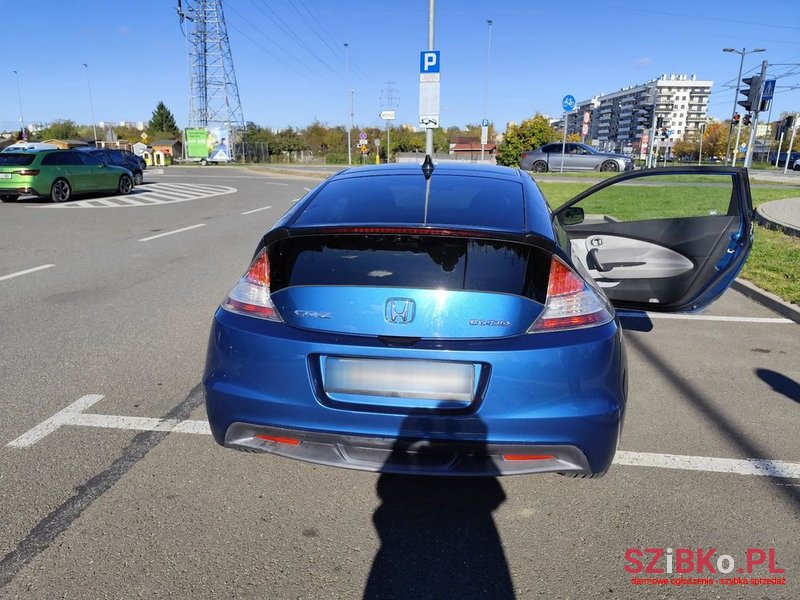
[5, 175]
[425, 379]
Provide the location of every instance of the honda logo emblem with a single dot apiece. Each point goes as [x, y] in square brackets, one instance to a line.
[400, 310]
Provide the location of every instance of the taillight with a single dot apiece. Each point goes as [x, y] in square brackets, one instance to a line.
[251, 295]
[27, 172]
[571, 302]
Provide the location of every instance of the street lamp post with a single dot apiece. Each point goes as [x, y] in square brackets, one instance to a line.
[486, 81]
[91, 102]
[21, 118]
[741, 53]
[349, 103]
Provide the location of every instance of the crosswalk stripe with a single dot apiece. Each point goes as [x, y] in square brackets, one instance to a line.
[152, 194]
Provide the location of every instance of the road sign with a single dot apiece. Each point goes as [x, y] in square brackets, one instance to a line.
[387, 115]
[769, 89]
[429, 121]
[429, 61]
[670, 132]
[485, 123]
[484, 135]
[568, 103]
[362, 136]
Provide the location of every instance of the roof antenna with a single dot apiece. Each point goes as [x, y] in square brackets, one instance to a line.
[427, 167]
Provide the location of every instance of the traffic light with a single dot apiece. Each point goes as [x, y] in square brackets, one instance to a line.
[663, 133]
[659, 122]
[735, 121]
[647, 116]
[751, 93]
[746, 120]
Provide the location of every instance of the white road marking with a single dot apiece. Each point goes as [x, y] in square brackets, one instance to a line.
[160, 235]
[250, 212]
[25, 272]
[151, 194]
[741, 466]
[650, 315]
[307, 189]
[74, 415]
[48, 426]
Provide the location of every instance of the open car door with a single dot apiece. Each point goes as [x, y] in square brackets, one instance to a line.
[670, 239]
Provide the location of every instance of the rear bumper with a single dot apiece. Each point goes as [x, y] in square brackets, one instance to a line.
[560, 394]
[407, 456]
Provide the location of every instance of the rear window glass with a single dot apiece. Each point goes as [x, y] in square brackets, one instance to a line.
[481, 202]
[407, 261]
[16, 160]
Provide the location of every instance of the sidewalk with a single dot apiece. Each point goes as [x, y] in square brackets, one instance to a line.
[780, 214]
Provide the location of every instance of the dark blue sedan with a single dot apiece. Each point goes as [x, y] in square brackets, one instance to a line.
[445, 321]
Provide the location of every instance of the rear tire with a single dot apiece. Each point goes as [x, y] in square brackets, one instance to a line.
[125, 185]
[609, 166]
[539, 167]
[60, 191]
[796, 168]
[8, 198]
[203, 162]
[138, 178]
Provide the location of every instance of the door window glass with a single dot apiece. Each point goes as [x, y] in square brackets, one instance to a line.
[89, 160]
[662, 197]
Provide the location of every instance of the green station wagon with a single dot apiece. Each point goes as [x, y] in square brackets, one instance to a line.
[58, 175]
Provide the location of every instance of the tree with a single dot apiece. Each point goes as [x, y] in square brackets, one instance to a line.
[62, 129]
[162, 123]
[685, 148]
[715, 139]
[528, 135]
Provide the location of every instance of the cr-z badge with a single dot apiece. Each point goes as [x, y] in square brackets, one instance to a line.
[489, 323]
[313, 314]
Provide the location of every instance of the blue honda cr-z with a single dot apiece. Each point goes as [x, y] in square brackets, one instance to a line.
[443, 320]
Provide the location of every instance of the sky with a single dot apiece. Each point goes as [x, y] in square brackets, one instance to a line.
[290, 59]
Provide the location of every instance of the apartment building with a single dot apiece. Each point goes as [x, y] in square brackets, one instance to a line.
[619, 121]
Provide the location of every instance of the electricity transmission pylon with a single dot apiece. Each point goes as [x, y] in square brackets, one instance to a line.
[213, 92]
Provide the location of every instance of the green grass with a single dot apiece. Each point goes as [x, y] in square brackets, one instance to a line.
[632, 195]
[774, 262]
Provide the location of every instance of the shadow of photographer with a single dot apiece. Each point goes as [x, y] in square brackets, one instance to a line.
[438, 535]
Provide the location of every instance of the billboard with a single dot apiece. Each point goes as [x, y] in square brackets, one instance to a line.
[196, 143]
[212, 144]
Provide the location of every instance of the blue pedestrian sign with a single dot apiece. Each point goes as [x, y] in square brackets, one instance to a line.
[769, 89]
[429, 61]
[568, 103]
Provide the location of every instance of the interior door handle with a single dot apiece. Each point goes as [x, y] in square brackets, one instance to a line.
[594, 263]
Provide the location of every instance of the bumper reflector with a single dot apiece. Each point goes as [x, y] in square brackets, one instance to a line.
[528, 457]
[278, 440]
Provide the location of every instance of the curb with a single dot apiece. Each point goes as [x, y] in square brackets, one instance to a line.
[768, 299]
[765, 221]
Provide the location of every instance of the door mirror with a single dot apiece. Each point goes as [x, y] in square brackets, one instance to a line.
[572, 216]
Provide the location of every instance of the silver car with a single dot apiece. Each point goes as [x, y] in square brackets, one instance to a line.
[577, 157]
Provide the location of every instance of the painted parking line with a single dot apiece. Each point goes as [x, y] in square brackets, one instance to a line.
[181, 230]
[152, 194]
[250, 212]
[649, 315]
[25, 272]
[74, 415]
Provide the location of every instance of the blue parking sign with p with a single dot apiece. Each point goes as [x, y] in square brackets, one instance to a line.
[429, 61]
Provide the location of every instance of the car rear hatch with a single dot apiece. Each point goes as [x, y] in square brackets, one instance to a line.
[15, 169]
[402, 285]
[405, 282]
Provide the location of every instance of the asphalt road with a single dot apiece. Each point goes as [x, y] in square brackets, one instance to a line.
[100, 510]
